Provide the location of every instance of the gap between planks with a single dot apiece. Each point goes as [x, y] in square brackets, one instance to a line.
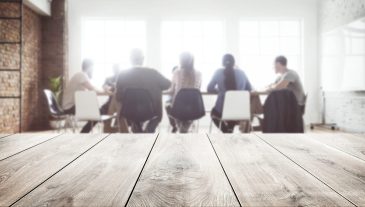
[304, 168]
[51, 138]
[225, 173]
[140, 173]
[107, 135]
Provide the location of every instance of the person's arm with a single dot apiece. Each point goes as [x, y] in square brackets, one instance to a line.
[164, 82]
[247, 86]
[280, 85]
[213, 83]
[87, 85]
[172, 88]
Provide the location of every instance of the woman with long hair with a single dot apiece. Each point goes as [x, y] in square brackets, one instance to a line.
[186, 76]
[229, 78]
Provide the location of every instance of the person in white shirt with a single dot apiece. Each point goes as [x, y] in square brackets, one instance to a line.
[80, 82]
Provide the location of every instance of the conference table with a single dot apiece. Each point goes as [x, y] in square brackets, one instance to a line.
[314, 169]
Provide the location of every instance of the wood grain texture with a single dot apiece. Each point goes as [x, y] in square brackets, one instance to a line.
[341, 171]
[16, 143]
[349, 143]
[261, 176]
[25, 171]
[104, 176]
[183, 170]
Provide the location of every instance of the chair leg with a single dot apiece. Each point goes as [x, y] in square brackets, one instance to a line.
[210, 126]
[220, 125]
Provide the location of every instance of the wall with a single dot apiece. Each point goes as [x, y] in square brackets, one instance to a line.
[346, 109]
[229, 10]
[55, 51]
[44, 56]
[9, 31]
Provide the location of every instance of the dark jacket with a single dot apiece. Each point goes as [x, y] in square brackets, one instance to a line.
[282, 113]
[143, 78]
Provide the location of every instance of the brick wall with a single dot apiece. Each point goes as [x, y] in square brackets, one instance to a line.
[9, 60]
[32, 68]
[346, 109]
[44, 56]
[54, 49]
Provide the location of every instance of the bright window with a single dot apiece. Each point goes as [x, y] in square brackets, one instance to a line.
[262, 40]
[204, 39]
[108, 42]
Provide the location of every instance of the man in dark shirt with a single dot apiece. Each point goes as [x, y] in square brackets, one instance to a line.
[143, 78]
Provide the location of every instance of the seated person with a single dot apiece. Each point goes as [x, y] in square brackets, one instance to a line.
[184, 77]
[227, 79]
[110, 107]
[168, 105]
[145, 78]
[80, 82]
[109, 85]
[288, 79]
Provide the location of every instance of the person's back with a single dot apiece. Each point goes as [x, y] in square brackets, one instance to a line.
[183, 80]
[295, 85]
[217, 85]
[143, 78]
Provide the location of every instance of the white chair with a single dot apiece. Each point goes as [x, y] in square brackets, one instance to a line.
[236, 107]
[87, 108]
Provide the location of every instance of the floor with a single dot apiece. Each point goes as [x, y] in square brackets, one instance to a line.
[313, 169]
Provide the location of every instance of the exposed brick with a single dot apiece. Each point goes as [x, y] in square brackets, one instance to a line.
[9, 30]
[9, 114]
[9, 84]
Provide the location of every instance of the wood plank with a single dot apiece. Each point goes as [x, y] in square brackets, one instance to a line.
[16, 143]
[349, 143]
[104, 176]
[261, 176]
[183, 170]
[23, 172]
[341, 171]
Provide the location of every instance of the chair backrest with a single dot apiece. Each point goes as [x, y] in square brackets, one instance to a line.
[53, 106]
[137, 105]
[87, 106]
[236, 106]
[188, 105]
[305, 102]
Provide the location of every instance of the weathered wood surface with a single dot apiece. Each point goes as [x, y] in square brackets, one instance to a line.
[348, 143]
[104, 176]
[261, 176]
[25, 171]
[14, 144]
[341, 171]
[183, 170]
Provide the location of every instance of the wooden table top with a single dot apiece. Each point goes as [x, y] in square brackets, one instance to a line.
[182, 170]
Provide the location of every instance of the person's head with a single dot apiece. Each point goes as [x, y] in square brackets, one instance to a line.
[187, 61]
[137, 57]
[87, 67]
[280, 64]
[229, 72]
[228, 61]
[116, 69]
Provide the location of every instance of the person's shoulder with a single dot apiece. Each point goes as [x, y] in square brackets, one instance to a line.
[293, 72]
[80, 76]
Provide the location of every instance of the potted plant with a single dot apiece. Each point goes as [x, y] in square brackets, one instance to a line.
[55, 85]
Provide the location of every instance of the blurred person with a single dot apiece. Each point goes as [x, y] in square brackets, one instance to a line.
[141, 77]
[80, 82]
[186, 76]
[229, 78]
